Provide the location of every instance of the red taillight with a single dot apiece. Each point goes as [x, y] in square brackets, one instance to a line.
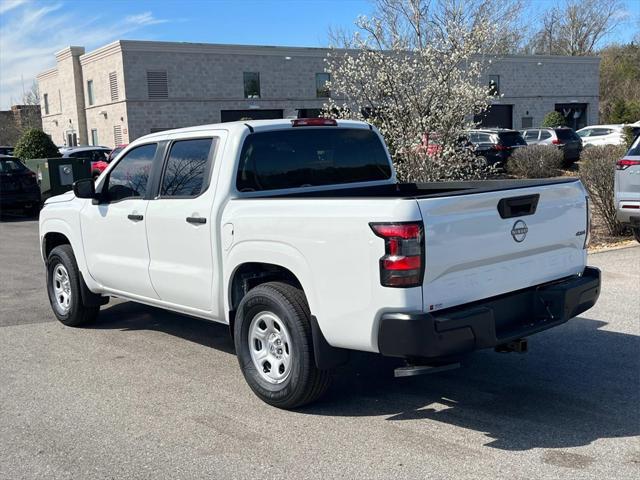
[626, 163]
[500, 147]
[314, 122]
[555, 141]
[403, 262]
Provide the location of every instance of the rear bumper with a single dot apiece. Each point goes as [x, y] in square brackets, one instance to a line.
[488, 323]
[628, 211]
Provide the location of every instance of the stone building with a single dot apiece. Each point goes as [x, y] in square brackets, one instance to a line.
[127, 89]
[15, 121]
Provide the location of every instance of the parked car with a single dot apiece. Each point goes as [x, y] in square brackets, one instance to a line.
[563, 138]
[114, 153]
[99, 157]
[627, 188]
[602, 135]
[18, 186]
[6, 150]
[297, 235]
[495, 144]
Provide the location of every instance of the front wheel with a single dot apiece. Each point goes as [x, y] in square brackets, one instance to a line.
[63, 287]
[273, 341]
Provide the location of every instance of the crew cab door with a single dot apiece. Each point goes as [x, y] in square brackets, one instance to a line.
[181, 227]
[113, 231]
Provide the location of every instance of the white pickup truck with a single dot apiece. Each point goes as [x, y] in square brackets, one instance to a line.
[297, 235]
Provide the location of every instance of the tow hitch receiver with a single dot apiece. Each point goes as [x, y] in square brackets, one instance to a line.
[520, 346]
[411, 370]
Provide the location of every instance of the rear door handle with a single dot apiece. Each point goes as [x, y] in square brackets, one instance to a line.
[197, 220]
[134, 217]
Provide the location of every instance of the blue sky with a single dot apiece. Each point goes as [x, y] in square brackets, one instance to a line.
[31, 31]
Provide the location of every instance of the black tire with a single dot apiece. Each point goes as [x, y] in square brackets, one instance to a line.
[636, 233]
[305, 382]
[77, 313]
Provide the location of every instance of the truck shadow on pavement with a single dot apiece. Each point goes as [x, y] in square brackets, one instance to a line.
[128, 316]
[578, 383]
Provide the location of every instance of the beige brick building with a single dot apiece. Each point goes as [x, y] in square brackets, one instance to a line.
[127, 89]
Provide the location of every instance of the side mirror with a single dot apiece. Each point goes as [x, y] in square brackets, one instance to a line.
[84, 188]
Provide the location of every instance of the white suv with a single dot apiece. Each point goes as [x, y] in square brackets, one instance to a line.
[627, 188]
[602, 135]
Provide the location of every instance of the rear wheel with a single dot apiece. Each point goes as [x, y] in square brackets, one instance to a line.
[63, 287]
[273, 341]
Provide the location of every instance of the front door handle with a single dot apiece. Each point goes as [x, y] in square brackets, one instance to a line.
[196, 220]
[134, 217]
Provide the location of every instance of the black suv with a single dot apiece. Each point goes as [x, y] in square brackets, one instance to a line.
[18, 186]
[495, 144]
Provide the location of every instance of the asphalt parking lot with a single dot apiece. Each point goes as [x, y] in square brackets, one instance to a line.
[149, 394]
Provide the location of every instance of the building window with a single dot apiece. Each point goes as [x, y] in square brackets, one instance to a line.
[494, 85]
[251, 84]
[117, 135]
[157, 84]
[90, 92]
[113, 86]
[45, 98]
[94, 136]
[527, 122]
[322, 87]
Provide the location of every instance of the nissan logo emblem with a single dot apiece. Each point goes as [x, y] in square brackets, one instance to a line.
[519, 231]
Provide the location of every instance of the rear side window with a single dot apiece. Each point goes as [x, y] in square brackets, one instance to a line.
[509, 139]
[130, 177]
[305, 157]
[634, 151]
[186, 170]
[544, 134]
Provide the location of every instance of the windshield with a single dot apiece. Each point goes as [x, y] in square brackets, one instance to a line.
[305, 157]
[11, 165]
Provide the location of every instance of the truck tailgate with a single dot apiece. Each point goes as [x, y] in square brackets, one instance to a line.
[473, 253]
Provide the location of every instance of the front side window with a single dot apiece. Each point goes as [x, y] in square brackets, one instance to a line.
[531, 135]
[251, 84]
[90, 92]
[186, 168]
[130, 177]
[306, 157]
[322, 85]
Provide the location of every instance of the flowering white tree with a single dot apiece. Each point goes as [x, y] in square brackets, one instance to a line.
[414, 70]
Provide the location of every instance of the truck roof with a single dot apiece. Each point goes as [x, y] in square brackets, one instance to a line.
[256, 125]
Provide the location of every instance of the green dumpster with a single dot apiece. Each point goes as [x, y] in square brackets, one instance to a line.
[56, 175]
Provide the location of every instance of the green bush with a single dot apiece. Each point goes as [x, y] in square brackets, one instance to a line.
[554, 119]
[597, 169]
[535, 161]
[625, 111]
[35, 143]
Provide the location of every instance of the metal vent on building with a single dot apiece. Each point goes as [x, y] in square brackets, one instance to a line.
[117, 135]
[157, 84]
[113, 86]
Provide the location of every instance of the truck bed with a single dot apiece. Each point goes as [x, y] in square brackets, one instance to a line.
[425, 190]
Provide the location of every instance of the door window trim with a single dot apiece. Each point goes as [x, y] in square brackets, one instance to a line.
[206, 180]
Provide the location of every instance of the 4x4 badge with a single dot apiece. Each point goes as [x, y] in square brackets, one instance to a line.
[519, 231]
